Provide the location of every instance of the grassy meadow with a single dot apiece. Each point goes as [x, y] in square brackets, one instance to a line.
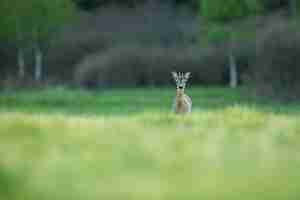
[60, 144]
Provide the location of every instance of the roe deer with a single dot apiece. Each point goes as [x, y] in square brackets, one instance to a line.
[182, 103]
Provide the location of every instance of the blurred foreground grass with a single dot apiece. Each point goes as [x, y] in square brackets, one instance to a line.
[125, 144]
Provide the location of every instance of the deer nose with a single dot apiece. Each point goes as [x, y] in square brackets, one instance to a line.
[180, 87]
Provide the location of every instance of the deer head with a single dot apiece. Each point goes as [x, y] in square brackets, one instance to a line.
[181, 79]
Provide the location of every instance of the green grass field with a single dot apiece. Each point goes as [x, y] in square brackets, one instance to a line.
[126, 144]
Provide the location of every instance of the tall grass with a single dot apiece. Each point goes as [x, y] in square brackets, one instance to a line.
[125, 144]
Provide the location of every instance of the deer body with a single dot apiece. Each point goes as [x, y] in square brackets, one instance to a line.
[182, 102]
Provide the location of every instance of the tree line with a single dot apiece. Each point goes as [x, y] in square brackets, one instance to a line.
[30, 25]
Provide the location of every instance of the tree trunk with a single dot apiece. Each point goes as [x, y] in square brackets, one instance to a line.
[233, 73]
[38, 55]
[21, 63]
[20, 52]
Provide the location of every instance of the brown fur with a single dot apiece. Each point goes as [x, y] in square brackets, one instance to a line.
[182, 102]
[179, 101]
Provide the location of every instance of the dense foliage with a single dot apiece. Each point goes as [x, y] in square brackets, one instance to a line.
[33, 19]
[221, 11]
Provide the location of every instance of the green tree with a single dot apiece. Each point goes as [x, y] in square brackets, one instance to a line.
[219, 16]
[47, 18]
[31, 23]
[14, 21]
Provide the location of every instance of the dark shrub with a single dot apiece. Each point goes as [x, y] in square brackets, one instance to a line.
[276, 71]
[7, 60]
[113, 27]
[142, 66]
[64, 54]
[273, 5]
[245, 52]
[94, 4]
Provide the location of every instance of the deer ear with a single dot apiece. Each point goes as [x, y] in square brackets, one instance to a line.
[174, 74]
[187, 75]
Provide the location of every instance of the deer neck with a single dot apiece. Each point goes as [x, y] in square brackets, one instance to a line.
[179, 97]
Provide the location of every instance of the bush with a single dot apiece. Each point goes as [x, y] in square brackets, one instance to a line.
[70, 49]
[7, 59]
[113, 27]
[276, 70]
[142, 66]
